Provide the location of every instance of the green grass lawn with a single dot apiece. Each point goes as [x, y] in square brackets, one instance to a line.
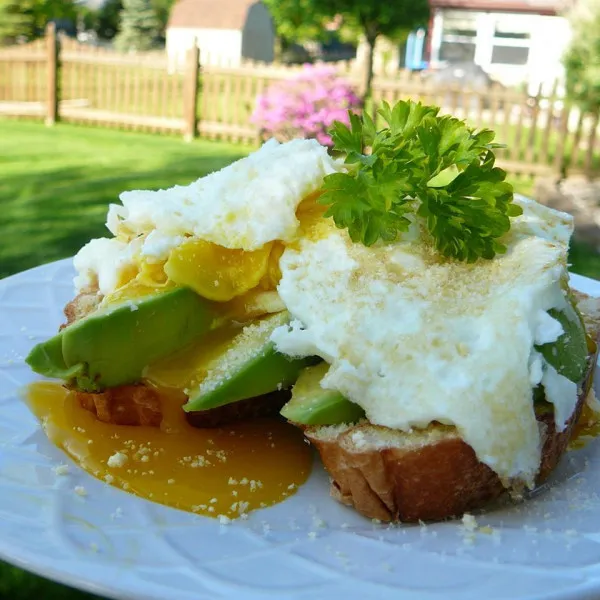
[55, 185]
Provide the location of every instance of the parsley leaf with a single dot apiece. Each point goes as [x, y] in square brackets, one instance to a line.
[425, 166]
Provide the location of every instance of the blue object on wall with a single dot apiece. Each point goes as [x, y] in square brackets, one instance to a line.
[415, 47]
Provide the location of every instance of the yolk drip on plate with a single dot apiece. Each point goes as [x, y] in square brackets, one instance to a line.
[586, 429]
[226, 471]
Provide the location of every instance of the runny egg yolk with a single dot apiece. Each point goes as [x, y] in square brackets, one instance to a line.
[215, 272]
[152, 274]
[310, 215]
[188, 366]
[225, 471]
[272, 275]
[127, 275]
[218, 273]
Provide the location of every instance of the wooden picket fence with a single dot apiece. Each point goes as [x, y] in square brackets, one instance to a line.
[61, 79]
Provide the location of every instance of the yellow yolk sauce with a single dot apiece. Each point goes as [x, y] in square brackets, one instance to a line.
[586, 429]
[215, 272]
[588, 425]
[187, 367]
[225, 471]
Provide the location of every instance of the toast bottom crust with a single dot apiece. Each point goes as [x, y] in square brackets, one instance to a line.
[432, 481]
[142, 405]
[124, 405]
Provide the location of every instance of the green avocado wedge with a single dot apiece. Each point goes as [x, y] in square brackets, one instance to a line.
[47, 359]
[568, 354]
[313, 405]
[112, 345]
[249, 367]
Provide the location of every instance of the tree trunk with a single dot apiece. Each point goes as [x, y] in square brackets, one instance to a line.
[368, 81]
[280, 47]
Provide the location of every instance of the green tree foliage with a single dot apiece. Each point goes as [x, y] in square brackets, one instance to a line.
[298, 20]
[162, 9]
[139, 27]
[16, 20]
[26, 19]
[47, 10]
[105, 20]
[582, 59]
[302, 20]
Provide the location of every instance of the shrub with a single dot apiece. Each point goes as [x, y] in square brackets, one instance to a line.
[306, 105]
[582, 59]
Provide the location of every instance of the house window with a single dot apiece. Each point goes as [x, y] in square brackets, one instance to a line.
[511, 41]
[497, 42]
[459, 35]
[457, 52]
[509, 55]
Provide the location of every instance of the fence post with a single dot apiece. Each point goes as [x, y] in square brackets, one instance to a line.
[530, 150]
[190, 90]
[52, 74]
[561, 164]
[591, 145]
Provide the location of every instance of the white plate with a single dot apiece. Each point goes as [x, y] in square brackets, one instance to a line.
[308, 547]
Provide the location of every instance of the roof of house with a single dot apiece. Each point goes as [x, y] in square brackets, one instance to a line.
[210, 14]
[545, 7]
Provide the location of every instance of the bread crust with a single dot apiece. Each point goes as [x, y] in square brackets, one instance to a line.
[434, 475]
[141, 404]
[431, 482]
[268, 405]
[83, 304]
[124, 405]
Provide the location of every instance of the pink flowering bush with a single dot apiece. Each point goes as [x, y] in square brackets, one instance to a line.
[305, 105]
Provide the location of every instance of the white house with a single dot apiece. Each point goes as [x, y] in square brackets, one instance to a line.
[515, 41]
[226, 31]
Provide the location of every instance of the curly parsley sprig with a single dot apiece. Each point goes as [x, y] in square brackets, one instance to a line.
[421, 164]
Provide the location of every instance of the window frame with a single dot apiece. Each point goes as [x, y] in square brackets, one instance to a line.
[485, 37]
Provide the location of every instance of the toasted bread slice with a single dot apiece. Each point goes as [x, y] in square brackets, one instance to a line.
[83, 304]
[124, 405]
[430, 474]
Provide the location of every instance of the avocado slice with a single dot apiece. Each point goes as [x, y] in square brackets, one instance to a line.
[313, 405]
[47, 359]
[250, 366]
[568, 354]
[112, 345]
